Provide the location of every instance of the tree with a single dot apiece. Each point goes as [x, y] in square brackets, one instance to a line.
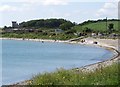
[5, 27]
[87, 30]
[43, 23]
[66, 25]
[72, 31]
[110, 27]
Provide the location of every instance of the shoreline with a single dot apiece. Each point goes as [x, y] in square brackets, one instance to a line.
[36, 40]
[105, 63]
[86, 68]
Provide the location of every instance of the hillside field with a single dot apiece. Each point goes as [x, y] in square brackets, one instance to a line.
[98, 26]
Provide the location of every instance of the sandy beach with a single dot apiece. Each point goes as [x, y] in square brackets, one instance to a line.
[109, 44]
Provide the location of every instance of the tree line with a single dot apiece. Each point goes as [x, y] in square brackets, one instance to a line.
[95, 21]
[47, 23]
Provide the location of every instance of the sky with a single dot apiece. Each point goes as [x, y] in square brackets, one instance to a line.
[74, 10]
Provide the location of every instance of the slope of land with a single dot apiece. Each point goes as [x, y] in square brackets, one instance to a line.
[99, 26]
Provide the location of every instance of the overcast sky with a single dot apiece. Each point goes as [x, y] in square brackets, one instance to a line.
[73, 10]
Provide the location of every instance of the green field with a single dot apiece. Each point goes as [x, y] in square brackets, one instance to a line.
[98, 26]
[102, 76]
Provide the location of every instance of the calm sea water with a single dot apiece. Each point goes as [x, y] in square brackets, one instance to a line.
[23, 59]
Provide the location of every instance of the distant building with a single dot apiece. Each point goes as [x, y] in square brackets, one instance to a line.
[15, 24]
[58, 30]
[8, 30]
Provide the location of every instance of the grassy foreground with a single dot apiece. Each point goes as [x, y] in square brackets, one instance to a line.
[103, 76]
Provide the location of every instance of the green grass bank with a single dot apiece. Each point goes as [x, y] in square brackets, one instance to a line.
[103, 76]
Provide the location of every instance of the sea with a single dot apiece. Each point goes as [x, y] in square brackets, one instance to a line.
[22, 60]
